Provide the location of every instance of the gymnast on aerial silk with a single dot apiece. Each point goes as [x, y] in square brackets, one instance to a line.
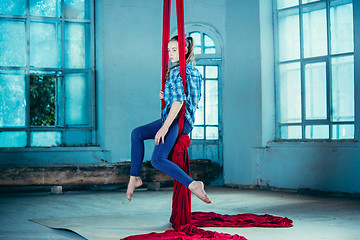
[173, 122]
[181, 89]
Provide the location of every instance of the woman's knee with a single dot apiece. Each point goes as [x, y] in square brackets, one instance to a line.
[136, 133]
[157, 160]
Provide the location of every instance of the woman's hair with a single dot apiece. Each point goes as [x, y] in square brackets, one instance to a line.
[189, 44]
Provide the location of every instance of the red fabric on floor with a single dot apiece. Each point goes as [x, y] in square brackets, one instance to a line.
[186, 232]
[211, 219]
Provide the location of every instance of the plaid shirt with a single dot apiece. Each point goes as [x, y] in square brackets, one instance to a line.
[174, 91]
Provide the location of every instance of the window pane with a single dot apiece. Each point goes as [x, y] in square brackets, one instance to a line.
[210, 50]
[78, 138]
[341, 20]
[211, 101]
[45, 139]
[76, 45]
[315, 90]
[317, 132]
[286, 3]
[197, 133]
[201, 70]
[79, 9]
[48, 8]
[208, 41]
[197, 42]
[290, 93]
[212, 133]
[76, 92]
[289, 35]
[342, 89]
[12, 139]
[12, 43]
[45, 44]
[211, 72]
[290, 132]
[42, 100]
[199, 113]
[315, 31]
[343, 131]
[12, 100]
[309, 1]
[209, 45]
[13, 7]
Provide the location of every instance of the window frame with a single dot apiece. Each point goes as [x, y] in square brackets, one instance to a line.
[209, 59]
[60, 72]
[306, 60]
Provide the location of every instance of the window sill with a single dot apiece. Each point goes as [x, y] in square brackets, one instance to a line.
[314, 144]
[52, 149]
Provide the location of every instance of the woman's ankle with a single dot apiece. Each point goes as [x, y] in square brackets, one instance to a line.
[191, 184]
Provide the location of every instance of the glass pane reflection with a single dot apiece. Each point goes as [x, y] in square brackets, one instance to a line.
[13, 139]
[315, 91]
[342, 71]
[290, 93]
[211, 101]
[45, 139]
[197, 133]
[289, 35]
[341, 22]
[45, 44]
[48, 8]
[76, 93]
[290, 132]
[12, 100]
[343, 131]
[317, 132]
[315, 31]
[212, 133]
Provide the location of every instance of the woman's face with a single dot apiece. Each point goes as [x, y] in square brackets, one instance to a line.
[173, 51]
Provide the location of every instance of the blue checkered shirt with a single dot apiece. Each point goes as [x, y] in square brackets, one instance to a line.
[174, 91]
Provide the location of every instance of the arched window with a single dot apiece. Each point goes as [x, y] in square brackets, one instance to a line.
[206, 135]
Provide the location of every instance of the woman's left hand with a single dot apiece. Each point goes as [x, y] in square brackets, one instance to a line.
[160, 135]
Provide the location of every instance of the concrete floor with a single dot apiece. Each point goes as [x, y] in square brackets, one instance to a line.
[314, 217]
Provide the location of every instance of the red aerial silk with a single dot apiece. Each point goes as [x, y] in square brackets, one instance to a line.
[184, 222]
[181, 201]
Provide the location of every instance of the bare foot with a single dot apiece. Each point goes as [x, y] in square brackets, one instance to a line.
[197, 187]
[134, 182]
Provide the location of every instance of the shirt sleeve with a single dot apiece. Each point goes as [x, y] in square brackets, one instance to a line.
[177, 88]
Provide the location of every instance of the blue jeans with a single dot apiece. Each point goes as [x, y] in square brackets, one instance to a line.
[161, 152]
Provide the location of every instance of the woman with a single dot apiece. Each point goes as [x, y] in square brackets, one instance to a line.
[165, 130]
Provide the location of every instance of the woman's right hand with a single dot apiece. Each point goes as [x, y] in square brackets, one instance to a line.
[161, 95]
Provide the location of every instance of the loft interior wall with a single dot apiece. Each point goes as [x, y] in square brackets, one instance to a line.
[128, 67]
[241, 91]
[250, 158]
[130, 50]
